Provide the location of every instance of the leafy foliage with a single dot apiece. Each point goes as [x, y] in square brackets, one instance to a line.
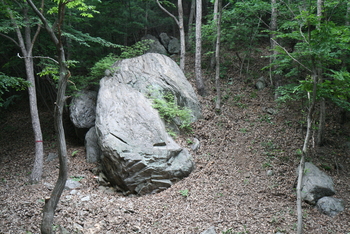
[169, 110]
[7, 82]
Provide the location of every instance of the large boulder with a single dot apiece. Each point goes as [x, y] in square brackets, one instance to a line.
[154, 75]
[315, 184]
[138, 155]
[83, 109]
[154, 44]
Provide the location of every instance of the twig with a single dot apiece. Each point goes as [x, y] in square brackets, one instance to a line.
[291, 55]
[42, 57]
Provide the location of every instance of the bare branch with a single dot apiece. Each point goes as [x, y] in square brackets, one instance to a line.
[291, 55]
[166, 11]
[44, 20]
[10, 38]
[42, 57]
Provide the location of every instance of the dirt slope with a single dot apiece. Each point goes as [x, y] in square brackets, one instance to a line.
[229, 189]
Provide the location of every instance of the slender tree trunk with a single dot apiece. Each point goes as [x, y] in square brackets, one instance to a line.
[180, 24]
[26, 43]
[51, 203]
[190, 25]
[322, 118]
[198, 56]
[273, 28]
[37, 170]
[217, 56]
[182, 35]
[215, 19]
[312, 101]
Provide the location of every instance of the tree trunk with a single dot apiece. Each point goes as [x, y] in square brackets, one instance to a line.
[180, 24]
[37, 170]
[273, 28]
[322, 118]
[215, 19]
[182, 35]
[26, 45]
[190, 25]
[217, 56]
[198, 57]
[51, 203]
[305, 152]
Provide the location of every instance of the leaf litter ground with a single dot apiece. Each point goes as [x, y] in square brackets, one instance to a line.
[229, 189]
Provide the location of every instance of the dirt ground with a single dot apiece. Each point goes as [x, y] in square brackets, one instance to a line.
[229, 189]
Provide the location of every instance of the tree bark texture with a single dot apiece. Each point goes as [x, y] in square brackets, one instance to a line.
[217, 55]
[51, 203]
[182, 35]
[26, 43]
[190, 25]
[198, 57]
[180, 24]
[273, 28]
[304, 154]
[215, 18]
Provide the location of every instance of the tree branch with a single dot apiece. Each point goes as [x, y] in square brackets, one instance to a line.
[44, 20]
[291, 55]
[10, 38]
[166, 11]
[42, 57]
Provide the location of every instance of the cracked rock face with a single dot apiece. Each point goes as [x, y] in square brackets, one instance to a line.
[138, 155]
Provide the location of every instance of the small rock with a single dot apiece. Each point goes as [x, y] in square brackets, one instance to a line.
[271, 111]
[63, 230]
[269, 173]
[86, 198]
[196, 144]
[77, 227]
[261, 83]
[49, 186]
[51, 156]
[330, 206]
[72, 184]
[247, 175]
[74, 192]
[210, 230]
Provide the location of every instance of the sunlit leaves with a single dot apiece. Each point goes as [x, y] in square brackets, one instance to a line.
[80, 5]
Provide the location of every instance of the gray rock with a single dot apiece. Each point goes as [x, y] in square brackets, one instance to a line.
[86, 198]
[138, 155]
[155, 74]
[155, 45]
[63, 230]
[174, 46]
[164, 39]
[49, 186]
[261, 83]
[330, 206]
[93, 151]
[269, 173]
[51, 156]
[72, 184]
[315, 184]
[210, 230]
[196, 144]
[83, 109]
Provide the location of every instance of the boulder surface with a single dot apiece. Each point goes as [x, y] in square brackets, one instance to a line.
[155, 75]
[138, 155]
[315, 184]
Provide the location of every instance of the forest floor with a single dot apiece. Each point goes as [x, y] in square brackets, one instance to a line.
[229, 188]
